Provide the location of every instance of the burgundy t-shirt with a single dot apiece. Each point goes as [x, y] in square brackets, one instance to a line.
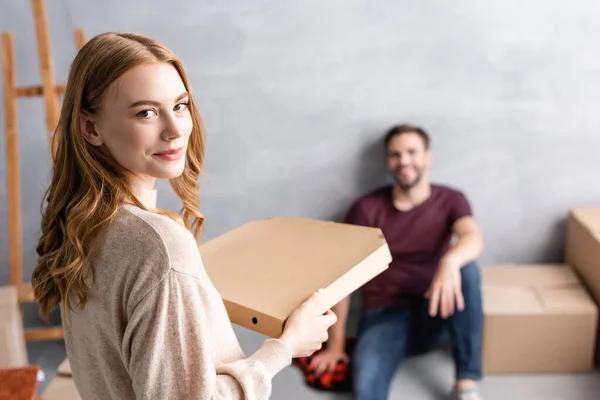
[417, 238]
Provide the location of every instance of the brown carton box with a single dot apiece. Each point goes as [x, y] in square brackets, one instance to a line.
[265, 269]
[13, 352]
[538, 319]
[582, 248]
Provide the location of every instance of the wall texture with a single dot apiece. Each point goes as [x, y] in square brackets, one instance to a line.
[296, 96]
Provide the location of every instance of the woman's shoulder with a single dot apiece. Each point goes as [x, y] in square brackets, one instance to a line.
[138, 237]
[141, 248]
[151, 231]
[152, 234]
[151, 221]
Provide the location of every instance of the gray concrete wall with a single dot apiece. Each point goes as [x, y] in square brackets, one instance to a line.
[297, 95]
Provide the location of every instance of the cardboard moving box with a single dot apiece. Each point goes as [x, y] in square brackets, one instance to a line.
[265, 269]
[538, 319]
[582, 248]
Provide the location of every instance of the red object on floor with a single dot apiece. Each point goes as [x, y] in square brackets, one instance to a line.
[340, 380]
[19, 383]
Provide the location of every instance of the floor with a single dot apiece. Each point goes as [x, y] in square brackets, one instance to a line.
[427, 377]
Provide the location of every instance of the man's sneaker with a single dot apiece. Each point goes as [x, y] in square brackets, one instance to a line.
[467, 394]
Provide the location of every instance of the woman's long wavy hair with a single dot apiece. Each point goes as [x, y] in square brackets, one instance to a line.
[87, 185]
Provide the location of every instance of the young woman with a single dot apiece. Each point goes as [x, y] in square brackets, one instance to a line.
[141, 317]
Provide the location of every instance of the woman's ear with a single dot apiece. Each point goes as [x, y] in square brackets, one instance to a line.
[88, 130]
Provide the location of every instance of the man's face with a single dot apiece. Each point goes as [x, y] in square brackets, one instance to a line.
[407, 159]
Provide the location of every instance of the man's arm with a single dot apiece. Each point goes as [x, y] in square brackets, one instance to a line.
[445, 293]
[469, 245]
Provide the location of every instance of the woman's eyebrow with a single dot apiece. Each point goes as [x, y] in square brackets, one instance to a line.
[156, 103]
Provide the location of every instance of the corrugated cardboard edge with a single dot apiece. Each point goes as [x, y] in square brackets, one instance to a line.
[363, 272]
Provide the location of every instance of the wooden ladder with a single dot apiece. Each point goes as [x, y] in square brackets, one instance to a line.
[51, 92]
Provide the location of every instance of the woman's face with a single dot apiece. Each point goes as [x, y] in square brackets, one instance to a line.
[144, 123]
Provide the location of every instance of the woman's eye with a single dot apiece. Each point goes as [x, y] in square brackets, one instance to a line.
[181, 106]
[145, 113]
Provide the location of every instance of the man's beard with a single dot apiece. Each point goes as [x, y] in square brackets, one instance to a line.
[405, 187]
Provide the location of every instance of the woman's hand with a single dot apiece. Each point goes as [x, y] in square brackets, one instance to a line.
[305, 332]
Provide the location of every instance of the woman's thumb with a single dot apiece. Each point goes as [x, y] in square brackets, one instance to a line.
[313, 298]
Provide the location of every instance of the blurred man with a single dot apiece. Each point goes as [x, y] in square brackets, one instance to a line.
[432, 286]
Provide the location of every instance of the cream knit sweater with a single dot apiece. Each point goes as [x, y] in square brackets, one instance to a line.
[154, 327]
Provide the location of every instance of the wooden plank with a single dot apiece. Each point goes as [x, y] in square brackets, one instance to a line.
[33, 91]
[45, 60]
[29, 91]
[79, 38]
[13, 189]
[39, 334]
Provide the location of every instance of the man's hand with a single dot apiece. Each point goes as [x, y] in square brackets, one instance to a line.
[327, 360]
[445, 291]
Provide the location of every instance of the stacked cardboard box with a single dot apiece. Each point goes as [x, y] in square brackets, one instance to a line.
[538, 319]
[582, 250]
[544, 318]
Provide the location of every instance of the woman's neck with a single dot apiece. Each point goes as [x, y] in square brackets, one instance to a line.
[146, 192]
[147, 197]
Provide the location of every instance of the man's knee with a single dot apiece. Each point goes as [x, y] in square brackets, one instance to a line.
[379, 350]
[470, 277]
[371, 378]
[471, 286]
[364, 370]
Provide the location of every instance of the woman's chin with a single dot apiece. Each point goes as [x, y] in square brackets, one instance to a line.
[170, 173]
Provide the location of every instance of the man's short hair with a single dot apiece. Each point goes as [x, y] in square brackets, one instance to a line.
[407, 128]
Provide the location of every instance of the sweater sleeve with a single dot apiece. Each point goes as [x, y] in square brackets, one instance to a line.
[171, 340]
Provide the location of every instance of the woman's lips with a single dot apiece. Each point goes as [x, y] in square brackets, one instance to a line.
[170, 155]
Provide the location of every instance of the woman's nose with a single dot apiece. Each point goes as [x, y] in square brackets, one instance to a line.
[173, 129]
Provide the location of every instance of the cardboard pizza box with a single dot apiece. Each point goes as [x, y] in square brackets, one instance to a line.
[265, 269]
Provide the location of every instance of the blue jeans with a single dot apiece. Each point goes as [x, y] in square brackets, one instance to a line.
[386, 336]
